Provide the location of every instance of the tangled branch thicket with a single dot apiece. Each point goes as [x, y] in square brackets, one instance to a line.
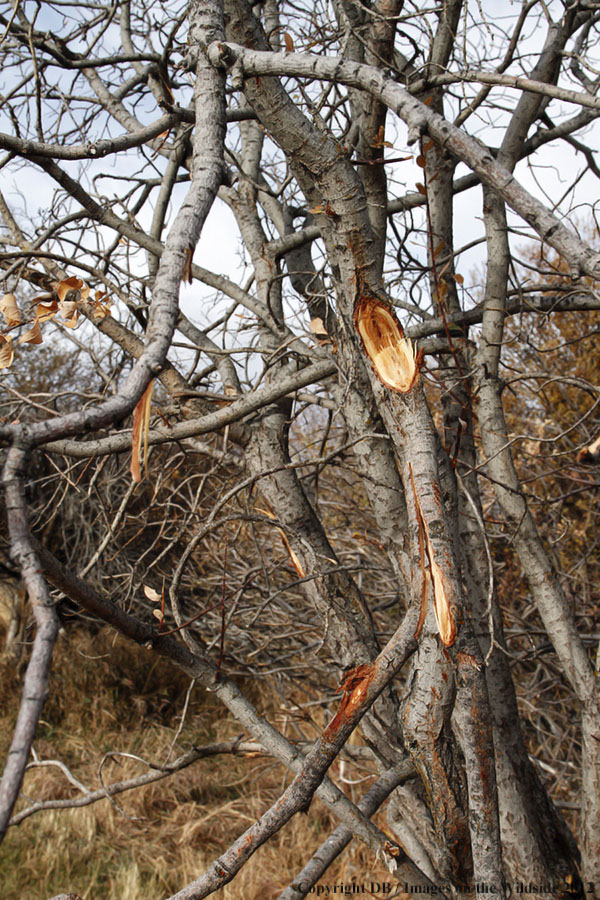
[341, 475]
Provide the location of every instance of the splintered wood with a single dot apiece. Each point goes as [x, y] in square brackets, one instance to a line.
[431, 571]
[139, 433]
[394, 358]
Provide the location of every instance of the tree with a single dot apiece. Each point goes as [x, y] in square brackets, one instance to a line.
[302, 119]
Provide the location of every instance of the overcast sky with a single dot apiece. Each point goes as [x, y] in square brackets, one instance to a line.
[557, 175]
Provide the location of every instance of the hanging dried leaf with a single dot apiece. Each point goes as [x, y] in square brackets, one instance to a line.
[68, 284]
[394, 358]
[72, 322]
[139, 433]
[45, 310]
[318, 329]
[317, 326]
[70, 313]
[7, 351]
[421, 188]
[289, 44]
[33, 335]
[101, 305]
[152, 595]
[100, 310]
[10, 310]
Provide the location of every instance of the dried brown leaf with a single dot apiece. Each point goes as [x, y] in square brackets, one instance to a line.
[33, 335]
[45, 310]
[100, 310]
[73, 322]
[70, 313]
[319, 330]
[289, 43]
[68, 284]
[317, 326]
[10, 310]
[152, 595]
[7, 351]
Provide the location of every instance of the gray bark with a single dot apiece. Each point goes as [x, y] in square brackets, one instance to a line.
[466, 803]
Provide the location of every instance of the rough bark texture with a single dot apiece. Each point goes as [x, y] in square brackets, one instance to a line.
[424, 663]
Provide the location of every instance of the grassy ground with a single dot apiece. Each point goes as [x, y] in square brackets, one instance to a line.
[109, 696]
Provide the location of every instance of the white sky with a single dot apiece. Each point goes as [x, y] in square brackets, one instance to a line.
[219, 247]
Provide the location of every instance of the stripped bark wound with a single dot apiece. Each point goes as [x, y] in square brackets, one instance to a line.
[395, 360]
[139, 433]
[353, 688]
[441, 599]
[422, 564]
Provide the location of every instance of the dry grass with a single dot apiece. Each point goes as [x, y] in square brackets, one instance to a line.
[107, 695]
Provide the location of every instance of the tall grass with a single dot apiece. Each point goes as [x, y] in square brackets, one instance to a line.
[107, 695]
